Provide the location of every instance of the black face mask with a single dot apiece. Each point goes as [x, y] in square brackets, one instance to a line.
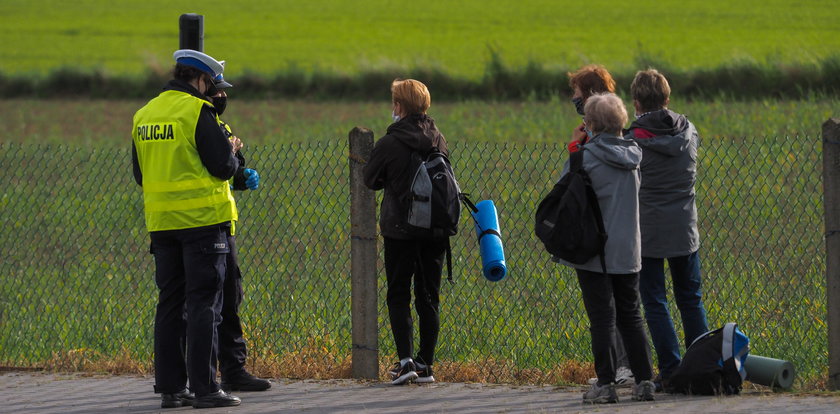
[220, 103]
[578, 105]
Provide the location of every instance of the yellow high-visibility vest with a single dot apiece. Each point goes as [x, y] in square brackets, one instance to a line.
[178, 191]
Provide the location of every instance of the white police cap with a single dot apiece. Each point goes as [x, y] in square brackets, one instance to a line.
[200, 61]
[219, 80]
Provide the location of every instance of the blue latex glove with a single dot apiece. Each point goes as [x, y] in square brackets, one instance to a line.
[252, 179]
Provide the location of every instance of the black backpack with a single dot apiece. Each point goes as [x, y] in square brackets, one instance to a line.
[435, 197]
[568, 220]
[713, 364]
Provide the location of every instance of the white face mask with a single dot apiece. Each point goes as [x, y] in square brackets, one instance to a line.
[394, 116]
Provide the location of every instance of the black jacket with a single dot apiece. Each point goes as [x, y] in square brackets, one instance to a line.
[211, 143]
[391, 168]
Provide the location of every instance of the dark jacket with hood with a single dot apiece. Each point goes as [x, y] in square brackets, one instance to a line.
[391, 167]
[667, 209]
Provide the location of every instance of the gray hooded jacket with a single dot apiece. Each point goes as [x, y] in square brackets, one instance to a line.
[613, 166]
[667, 209]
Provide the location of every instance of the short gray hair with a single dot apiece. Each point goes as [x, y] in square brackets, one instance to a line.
[605, 112]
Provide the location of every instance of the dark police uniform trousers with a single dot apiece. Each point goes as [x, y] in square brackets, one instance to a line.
[190, 269]
[232, 350]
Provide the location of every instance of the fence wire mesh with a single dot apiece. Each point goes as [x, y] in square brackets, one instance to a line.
[77, 275]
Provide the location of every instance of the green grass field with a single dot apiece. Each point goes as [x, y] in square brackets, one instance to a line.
[268, 36]
[103, 123]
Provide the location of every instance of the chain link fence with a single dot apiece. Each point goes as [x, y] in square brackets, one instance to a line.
[77, 276]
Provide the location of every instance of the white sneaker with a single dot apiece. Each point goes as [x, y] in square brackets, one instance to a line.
[424, 373]
[624, 377]
[403, 373]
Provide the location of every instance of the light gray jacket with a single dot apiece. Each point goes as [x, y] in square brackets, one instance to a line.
[613, 166]
[667, 209]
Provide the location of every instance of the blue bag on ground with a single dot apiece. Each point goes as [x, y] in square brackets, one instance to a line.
[490, 241]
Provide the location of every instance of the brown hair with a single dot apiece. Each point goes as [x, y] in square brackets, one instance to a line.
[651, 89]
[412, 95]
[605, 112]
[591, 79]
[186, 73]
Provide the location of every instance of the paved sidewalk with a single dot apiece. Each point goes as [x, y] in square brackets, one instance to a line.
[27, 392]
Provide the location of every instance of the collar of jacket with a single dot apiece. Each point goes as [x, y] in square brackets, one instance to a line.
[181, 86]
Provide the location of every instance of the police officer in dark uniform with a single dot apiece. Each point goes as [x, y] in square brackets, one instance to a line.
[183, 162]
[232, 347]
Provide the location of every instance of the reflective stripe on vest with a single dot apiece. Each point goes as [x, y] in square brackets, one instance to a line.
[178, 191]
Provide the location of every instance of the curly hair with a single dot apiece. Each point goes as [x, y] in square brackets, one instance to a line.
[591, 79]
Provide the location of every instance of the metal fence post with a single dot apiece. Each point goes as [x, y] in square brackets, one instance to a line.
[831, 204]
[363, 255]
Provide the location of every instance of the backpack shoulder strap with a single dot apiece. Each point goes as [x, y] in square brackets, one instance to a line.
[728, 340]
[449, 261]
[728, 347]
[575, 165]
[576, 161]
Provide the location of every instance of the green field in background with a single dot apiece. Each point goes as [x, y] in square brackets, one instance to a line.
[103, 123]
[128, 37]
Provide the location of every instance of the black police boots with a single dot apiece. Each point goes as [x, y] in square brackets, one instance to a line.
[244, 381]
[181, 398]
[216, 399]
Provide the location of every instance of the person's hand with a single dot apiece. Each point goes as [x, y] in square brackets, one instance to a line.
[578, 139]
[236, 144]
[579, 134]
[252, 179]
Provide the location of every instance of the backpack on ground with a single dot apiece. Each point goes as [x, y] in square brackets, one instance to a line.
[435, 199]
[713, 364]
[568, 220]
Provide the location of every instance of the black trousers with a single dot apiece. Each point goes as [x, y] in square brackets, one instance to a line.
[232, 349]
[423, 260]
[190, 268]
[613, 301]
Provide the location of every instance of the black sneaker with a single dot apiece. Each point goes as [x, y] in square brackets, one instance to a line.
[403, 373]
[181, 398]
[424, 372]
[216, 399]
[245, 382]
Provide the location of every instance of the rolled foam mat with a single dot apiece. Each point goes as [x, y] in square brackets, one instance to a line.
[775, 373]
[490, 241]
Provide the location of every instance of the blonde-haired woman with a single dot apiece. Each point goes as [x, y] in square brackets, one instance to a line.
[409, 251]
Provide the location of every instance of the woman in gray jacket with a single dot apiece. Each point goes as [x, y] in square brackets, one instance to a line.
[668, 218]
[612, 299]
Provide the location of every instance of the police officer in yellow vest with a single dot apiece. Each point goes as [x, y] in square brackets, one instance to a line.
[183, 161]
